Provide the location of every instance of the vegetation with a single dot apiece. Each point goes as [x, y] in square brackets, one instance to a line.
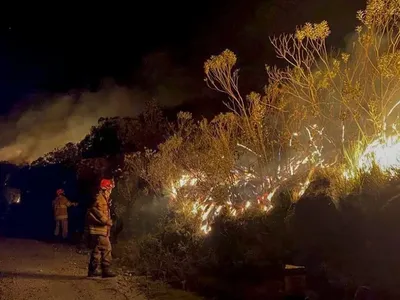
[290, 175]
[314, 121]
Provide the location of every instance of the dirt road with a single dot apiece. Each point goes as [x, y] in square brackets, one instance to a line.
[36, 270]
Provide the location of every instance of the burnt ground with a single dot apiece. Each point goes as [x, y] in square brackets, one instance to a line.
[36, 270]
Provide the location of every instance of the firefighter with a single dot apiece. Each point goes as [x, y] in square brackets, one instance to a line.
[99, 223]
[60, 209]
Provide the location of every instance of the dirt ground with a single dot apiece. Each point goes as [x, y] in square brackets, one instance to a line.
[36, 270]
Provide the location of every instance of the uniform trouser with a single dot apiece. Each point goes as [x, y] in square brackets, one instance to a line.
[101, 252]
[64, 226]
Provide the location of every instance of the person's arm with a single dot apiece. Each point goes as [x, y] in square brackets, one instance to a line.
[69, 203]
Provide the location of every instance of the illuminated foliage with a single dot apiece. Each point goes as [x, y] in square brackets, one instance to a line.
[314, 114]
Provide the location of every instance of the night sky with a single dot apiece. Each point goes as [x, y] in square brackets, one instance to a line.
[74, 47]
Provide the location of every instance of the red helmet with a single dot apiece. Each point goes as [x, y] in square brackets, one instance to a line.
[106, 184]
[60, 192]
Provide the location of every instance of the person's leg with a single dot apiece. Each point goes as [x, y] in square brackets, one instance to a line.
[106, 258]
[65, 228]
[95, 256]
[57, 229]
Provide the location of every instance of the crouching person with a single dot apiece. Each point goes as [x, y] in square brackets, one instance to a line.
[98, 225]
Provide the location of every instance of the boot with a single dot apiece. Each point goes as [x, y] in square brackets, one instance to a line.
[107, 273]
[94, 272]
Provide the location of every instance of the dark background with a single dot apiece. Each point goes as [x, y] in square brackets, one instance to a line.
[56, 48]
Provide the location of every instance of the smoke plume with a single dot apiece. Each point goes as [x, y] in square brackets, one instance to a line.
[53, 122]
[50, 122]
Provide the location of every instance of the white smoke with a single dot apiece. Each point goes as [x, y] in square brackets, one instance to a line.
[55, 121]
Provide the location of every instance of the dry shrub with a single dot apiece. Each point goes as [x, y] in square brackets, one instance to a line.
[351, 95]
[174, 253]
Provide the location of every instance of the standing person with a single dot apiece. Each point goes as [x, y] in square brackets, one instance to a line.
[99, 223]
[60, 210]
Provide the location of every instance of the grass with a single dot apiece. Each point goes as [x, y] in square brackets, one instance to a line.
[161, 291]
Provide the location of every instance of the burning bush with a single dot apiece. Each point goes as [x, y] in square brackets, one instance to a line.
[329, 113]
[326, 110]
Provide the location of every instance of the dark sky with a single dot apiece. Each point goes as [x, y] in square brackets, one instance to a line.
[75, 46]
[48, 49]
